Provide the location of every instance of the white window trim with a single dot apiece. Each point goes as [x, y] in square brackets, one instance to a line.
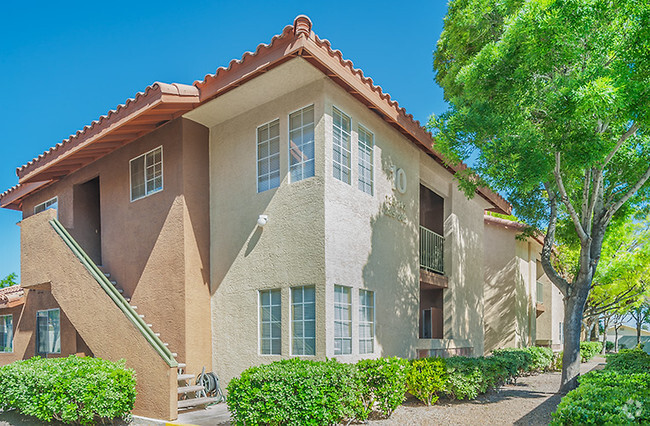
[374, 321]
[162, 175]
[37, 330]
[343, 113]
[259, 322]
[372, 163]
[291, 338]
[56, 201]
[313, 104]
[12, 333]
[257, 154]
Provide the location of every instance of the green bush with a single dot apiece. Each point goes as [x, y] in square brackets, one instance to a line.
[71, 390]
[609, 346]
[297, 392]
[384, 383]
[426, 379]
[588, 350]
[606, 397]
[527, 360]
[629, 361]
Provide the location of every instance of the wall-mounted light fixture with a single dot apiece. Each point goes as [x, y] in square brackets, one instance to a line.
[262, 220]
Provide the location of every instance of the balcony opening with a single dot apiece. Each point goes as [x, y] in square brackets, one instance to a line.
[432, 211]
[431, 312]
[87, 228]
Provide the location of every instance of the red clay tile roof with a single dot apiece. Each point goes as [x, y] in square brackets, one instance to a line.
[296, 40]
[11, 296]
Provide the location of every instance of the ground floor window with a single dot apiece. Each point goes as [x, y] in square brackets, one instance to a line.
[342, 320]
[270, 322]
[366, 321]
[48, 336]
[431, 313]
[6, 333]
[303, 320]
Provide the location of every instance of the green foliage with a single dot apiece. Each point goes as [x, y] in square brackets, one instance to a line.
[384, 382]
[588, 350]
[618, 395]
[629, 361]
[9, 280]
[426, 379]
[297, 392]
[71, 390]
[609, 346]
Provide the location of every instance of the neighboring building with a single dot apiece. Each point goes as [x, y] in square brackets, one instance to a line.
[284, 206]
[522, 307]
[627, 336]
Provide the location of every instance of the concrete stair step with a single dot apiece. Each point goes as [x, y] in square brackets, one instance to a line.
[187, 389]
[194, 402]
[185, 377]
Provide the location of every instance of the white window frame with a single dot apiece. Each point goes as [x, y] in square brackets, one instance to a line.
[268, 157]
[338, 349]
[38, 331]
[162, 174]
[9, 332]
[347, 150]
[313, 106]
[360, 183]
[293, 320]
[52, 203]
[270, 323]
[362, 322]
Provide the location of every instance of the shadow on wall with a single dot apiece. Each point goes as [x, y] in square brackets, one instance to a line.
[505, 308]
[391, 269]
[465, 290]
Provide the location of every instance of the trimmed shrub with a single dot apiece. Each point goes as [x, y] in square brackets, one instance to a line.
[426, 379]
[588, 350]
[542, 359]
[384, 383]
[527, 360]
[606, 398]
[609, 346]
[629, 361]
[71, 390]
[297, 392]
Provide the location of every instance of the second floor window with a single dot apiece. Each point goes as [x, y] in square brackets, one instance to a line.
[301, 144]
[146, 174]
[341, 146]
[366, 145]
[268, 156]
[49, 204]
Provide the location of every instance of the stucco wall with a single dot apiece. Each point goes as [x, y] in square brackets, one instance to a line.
[156, 248]
[287, 252]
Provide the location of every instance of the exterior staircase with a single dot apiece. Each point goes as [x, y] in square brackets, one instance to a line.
[189, 396]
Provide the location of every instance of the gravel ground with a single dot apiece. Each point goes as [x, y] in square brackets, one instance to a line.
[528, 402]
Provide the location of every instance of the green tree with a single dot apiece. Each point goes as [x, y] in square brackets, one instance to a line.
[9, 280]
[549, 98]
[641, 316]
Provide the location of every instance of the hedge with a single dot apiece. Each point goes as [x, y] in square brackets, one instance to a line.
[588, 350]
[71, 390]
[620, 394]
[298, 391]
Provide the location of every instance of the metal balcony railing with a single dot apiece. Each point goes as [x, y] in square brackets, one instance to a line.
[431, 250]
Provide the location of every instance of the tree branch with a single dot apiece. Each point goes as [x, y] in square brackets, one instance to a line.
[614, 208]
[547, 248]
[584, 238]
[585, 198]
[632, 130]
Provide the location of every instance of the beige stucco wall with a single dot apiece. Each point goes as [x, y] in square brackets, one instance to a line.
[98, 320]
[287, 252]
[156, 248]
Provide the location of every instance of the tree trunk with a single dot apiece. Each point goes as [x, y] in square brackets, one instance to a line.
[638, 332]
[616, 338]
[573, 310]
[605, 325]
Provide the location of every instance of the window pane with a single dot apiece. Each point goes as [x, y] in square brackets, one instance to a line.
[342, 320]
[268, 156]
[366, 146]
[301, 143]
[303, 324]
[341, 146]
[366, 321]
[6, 333]
[270, 322]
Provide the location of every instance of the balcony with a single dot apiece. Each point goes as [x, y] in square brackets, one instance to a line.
[431, 251]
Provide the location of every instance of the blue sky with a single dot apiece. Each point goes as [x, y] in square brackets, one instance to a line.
[64, 64]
